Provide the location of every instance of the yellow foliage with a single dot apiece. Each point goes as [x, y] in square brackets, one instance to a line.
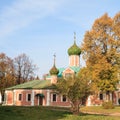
[101, 51]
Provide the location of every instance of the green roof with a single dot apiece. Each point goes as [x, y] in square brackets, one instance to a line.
[34, 84]
[75, 69]
[74, 50]
[54, 70]
[60, 72]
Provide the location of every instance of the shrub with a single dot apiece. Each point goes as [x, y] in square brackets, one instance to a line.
[108, 105]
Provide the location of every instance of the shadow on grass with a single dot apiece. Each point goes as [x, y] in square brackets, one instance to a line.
[91, 114]
[31, 113]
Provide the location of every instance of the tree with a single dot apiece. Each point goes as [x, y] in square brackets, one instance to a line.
[24, 68]
[7, 77]
[101, 51]
[75, 88]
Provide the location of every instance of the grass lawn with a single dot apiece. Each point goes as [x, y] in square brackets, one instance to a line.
[99, 109]
[47, 113]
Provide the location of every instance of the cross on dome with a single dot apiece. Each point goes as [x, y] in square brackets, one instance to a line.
[74, 49]
[54, 58]
[74, 37]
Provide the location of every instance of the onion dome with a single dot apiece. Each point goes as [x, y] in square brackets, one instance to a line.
[54, 70]
[74, 49]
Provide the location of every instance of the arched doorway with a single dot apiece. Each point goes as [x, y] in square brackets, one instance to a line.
[40, 98]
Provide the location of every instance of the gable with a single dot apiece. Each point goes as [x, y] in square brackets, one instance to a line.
[68, 70]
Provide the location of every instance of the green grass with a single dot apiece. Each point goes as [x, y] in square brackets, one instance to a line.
[99, 109]
[46, 113]
[30, 113]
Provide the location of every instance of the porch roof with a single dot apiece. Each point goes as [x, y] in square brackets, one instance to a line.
[40, 95]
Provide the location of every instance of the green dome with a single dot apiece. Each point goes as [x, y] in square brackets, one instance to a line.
[74, 50]
[54, 71]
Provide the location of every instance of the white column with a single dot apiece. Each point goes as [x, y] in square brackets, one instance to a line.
[89, 101]
[0, 98]
[14, 97]
[74, 60]
[48, 98]
[78, 61]
[117, 98]
[32, 100]
[5, 98]
[110, 96]
[104, 96]
[69, 60]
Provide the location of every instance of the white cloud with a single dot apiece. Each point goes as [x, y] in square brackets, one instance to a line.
[23, 12]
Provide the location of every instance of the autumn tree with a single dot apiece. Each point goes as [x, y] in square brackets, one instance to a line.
[101, 51]
[7, 77]
[24, 68]
[76, 89]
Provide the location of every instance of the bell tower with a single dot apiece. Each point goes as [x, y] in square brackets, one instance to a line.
[74, 54]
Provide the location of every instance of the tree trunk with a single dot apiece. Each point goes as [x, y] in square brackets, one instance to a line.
[75, 107]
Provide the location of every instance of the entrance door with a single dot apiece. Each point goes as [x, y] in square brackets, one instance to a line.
[40, 100]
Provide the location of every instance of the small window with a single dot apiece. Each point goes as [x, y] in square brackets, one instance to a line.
[64, 99]
[54, 97]
[101, 96]
[29, 97]
[20, 97]
[68, 75]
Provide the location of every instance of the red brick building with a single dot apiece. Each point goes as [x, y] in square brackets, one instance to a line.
[42, 92]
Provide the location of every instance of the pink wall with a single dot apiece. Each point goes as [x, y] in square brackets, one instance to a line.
[12, 98]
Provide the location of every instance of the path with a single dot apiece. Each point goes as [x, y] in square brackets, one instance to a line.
[107, 114]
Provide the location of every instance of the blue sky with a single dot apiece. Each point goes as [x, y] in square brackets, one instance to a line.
[40, 28]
